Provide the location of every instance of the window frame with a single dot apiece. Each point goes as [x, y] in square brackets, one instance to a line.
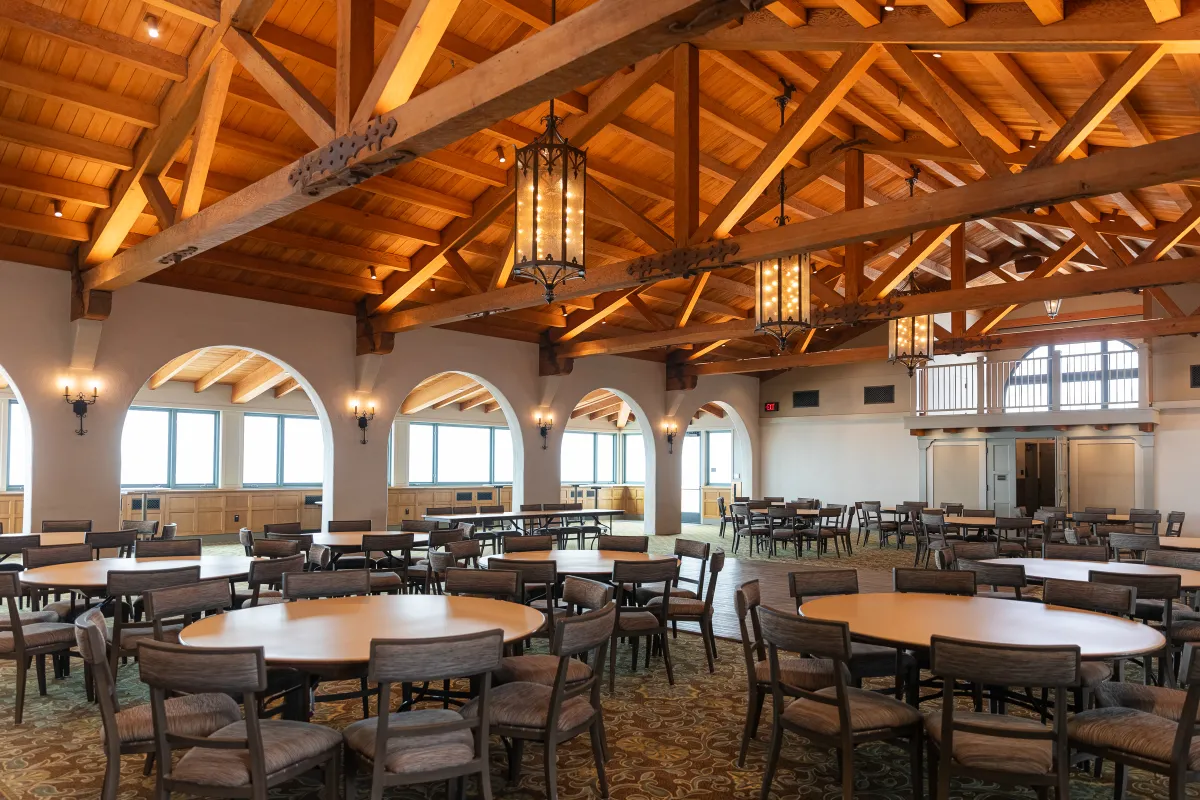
[708, 456]
[278, 452]
[624, 454]
[616, 451]
[172, 435]
[491, 429]
[1106, 374]
[13, 403]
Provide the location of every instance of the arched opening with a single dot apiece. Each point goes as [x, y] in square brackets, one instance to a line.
[223, 438]
[716, 460]
[605, 457]
[455, 444]
[16, 453]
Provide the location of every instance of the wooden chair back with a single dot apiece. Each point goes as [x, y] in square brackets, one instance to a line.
[933, 581]
[338, 583]
[161, 548]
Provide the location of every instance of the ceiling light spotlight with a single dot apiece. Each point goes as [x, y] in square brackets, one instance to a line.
[503, 159]
[374, 277]
[57, 204]
[889, 8]
[937, 55]
[151, 26]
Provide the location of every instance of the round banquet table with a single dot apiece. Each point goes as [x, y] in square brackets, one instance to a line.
[581, 563]
[1041, 568]
[911, 620]
[982, 522]
[338, 631]
[351, 541]
[92, 576]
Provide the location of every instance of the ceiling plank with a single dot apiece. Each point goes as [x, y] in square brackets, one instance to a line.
[172, 368]
[205, 137]
[304, 107]
[51, 86]
[1098, 106]
[66, 144]
[406, 57]
[57, 188]
[268, 376]
[803, 122]
[222, 370]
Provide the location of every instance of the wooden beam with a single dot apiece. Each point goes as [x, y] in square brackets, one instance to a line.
[1102, 174]
[692, 334]
[689, 304]
[864, 12]
[202, 12]
[159, 201]
[623, 415]
[701, 352]
[1047, 11]
[791, 12]
[66, 144]
[51, 86]
[1170, 235]
[204, 140]
[958, 275]
[795, 132]
[635, 300]
[533, 13]
[44, 223]
[304, 107]
[1164, 10]
[1070, 316]
[463, 270]
[992, 317]
[286, 388]
[951, 12]
[355, 59]
[581, 321]
[1008, 74]
[268, 376]
[406, 57]
[172, 368]
[435, 391]
[981, 116]
[903, 266]
[1102, 101]
[626, 216]
[855, 198]
[77, 33]
[57, 188]
[296, 272]
[687, 142]
[222, 370]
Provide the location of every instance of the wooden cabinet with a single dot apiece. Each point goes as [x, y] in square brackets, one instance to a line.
[214, 511]
[410, 502]
[12, 508]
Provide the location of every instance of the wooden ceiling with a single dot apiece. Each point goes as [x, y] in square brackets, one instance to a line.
[90, 106]
[249, 374]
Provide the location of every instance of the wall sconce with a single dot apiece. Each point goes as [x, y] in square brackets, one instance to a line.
[80, 403]
[544, 426]
[364, 418]
[670, 429]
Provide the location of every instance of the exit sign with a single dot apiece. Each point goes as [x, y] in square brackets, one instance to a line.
[771, 406]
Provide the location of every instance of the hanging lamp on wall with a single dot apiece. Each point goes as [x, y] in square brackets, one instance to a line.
[551, 182]
[782, 304]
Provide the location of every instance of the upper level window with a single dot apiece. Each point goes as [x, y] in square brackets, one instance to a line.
[18, 446]
[282, 450]
[634, 466]
[168, 447]
[720, 458]
[460, 454]
[588, 457]
[1093, 375]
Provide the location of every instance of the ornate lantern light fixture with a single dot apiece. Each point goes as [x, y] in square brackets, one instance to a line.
[910, 339]
[551, 180]
[1053, 307]
[782, 304]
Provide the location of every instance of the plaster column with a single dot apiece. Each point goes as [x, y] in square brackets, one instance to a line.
[542, 472]
[664, 504]
[356, 473]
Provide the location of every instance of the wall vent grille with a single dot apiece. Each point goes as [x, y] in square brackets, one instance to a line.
[807, 398]
[1195, 382]
[879, 395]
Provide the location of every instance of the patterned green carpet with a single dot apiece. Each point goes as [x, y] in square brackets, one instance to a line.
[666, 742]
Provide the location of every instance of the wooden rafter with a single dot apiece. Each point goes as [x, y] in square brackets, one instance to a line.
[268, 376]
[172, 368]
[223, 370]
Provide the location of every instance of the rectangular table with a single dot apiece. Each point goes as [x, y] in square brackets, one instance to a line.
[517, 518]
[1179, 542]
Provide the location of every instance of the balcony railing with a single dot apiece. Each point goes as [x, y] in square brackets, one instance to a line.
[1058, 382]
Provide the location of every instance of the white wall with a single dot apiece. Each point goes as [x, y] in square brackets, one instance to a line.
[79, 477]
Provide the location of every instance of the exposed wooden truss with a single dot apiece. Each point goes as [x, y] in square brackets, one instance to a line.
[247, 373]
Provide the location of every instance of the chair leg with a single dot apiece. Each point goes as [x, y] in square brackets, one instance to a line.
[612, 665]
[551, 772]
[332, 778]
[22, 672]
[754, 707]
[41, 675]
[666, 651]
[847, 754]
[1120, 781]
[916, 745]
[596, 734]
[772, 762]
[515, 754]
[112, 773]
[706, 635]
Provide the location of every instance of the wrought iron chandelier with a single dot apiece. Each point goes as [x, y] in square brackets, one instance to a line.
[782, 304]
[910, 339]
[551, 181]
[1053, 307]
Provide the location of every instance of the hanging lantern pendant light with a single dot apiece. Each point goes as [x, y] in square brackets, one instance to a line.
[782, 304]
[551, 183]
[910, 339]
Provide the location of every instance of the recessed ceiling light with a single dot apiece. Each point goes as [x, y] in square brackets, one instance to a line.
[937, 55]
[374, 277]
[151, 26]
[889, 8]
[503, 159]
[57, 205]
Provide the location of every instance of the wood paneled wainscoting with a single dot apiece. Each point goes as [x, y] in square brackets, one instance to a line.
[631, 497]
[213, 511]
[12, 508]
[410, 502]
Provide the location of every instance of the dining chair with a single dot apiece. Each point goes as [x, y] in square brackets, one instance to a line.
[796, 670]
[168, 531]
[126, 588]
[1174, 523]
[1087, 524]
[275, 548]
[12, 545]
[579, 596]
[497, 584]
[418, 526]
[997, 576]
[755, 529]
[48, 556]
[145, 528]
[24, 643]
[875, 523]
[1146, 740]
[976, 551]
[696, 609]
[1015, 534]
[1101, 598]
[430, 744]
[523, 711]
[349, 525]
[175, 607]
[933, 538]
[394, 551]
[335, 583]
[624, 544]
[1135, 544]
[838, 717]
[130, 730]
[159, 548]
[785, 529]
[828, 528]
[489, 531]
[635, 622]
[265, 580]
[1075, 552]
[1145, 521]
[999, 747]
[1156, 597]
[725, 513]
[246, 540]
[1099, 510]
[304, 540]
[66, 525]
[282, 527]
[539, 587]
[121, 541]
[933, 581]
[244, 758]
[686, 550]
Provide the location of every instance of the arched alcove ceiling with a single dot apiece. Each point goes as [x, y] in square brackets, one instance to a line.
[251, 374]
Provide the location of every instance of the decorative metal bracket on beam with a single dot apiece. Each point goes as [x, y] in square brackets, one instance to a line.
[337, 164]
[966, 344]
[684, 262]
[853, 313]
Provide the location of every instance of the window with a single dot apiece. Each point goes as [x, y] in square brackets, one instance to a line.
[634, 447]
[720, 458]
[1093, 375]
[169, 447]
[589, 457]
[282, 450]
[18, 446]
[463, 454]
